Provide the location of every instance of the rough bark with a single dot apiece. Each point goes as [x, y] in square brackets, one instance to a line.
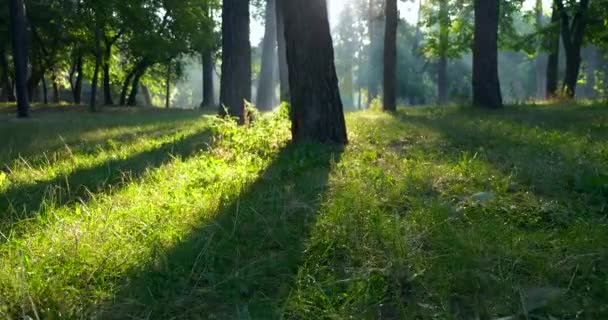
[266, 86]
[19, 37]
[573, 31]
[208, 87]
[553, 58]
[282, 52]
[316, 106]
[236, 59]
[486, 85]
[390, 56]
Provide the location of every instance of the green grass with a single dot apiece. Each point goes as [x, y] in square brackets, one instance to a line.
[430, 213]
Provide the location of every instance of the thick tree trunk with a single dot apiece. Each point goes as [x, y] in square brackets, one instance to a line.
[282, 52]
[316, 106]
[19, 36]
[390, 56]
[266, 86]
[107, 87]
[486, 85]
[553, 58]
[208, 87]
[236, 59]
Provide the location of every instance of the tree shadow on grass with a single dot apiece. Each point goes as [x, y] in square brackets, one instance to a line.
[32, 139]
[241, 264]
[545, 168]
[25, 201]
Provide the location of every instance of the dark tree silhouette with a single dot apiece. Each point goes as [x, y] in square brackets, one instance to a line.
[235, 86]
[390, 56]
[208, 69]
[17, 17]
[573, 32]
[316, 106]
[486, 85]
[283, 69]
[553, 59]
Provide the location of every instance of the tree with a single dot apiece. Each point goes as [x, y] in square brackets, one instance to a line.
[18, 33]
[316, 106]
[553, 58]
[266, 86]
[486, 85]
[573, 31]
[208, 70]
[282, 53]
[390, 56]
[235, 88]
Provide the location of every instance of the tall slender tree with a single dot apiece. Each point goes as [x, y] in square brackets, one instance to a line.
[316, 107]
[553, 57]
[282, 52]
[266, 86]
[208, 86]
[486, 85]
[236, 59]
[540, 57]
[390, 56]
[17, 17]
[442, 67]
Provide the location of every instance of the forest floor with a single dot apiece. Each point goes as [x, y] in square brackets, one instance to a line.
[428, 213]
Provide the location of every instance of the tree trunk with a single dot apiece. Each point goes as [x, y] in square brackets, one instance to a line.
[572, 35]
[168, 87]
[316, 106]
[266, 86]
[125, 87]
[390, 56]
[56, 98]
[94, 83]
[132, 100]
[282, 52]
[19, 36]
[553, 58]
[540, 57]
[7, 89]
[107, 87]
[372, 89]
[236, 59]
[442, 67]
[486, 85]
[45, 93]
[590, 67]
[77, 83]
[208, 88]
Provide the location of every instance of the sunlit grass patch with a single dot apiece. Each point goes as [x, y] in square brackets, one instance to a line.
[429, 213]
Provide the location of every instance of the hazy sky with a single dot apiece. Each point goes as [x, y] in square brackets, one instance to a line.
[407, 9]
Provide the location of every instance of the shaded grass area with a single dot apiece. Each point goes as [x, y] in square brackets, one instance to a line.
[430, 213]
